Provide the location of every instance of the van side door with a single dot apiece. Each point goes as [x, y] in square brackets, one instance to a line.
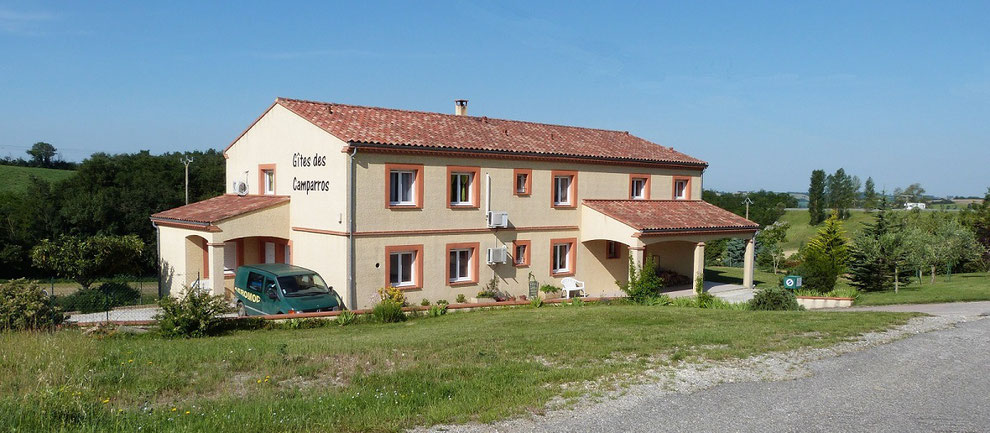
[255, 293]
[271, 302]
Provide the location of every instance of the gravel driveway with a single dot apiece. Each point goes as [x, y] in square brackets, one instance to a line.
[934, 380]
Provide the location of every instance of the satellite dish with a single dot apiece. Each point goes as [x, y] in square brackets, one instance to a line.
[241, 188]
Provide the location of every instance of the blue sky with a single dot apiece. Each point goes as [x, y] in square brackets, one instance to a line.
[765, 92]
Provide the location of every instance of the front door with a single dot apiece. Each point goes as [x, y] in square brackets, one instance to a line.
[269, 252]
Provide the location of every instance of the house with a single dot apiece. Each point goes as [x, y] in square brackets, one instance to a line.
[910, 206]
[440, 204]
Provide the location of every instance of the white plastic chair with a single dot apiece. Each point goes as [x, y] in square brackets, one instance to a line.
[572, 285]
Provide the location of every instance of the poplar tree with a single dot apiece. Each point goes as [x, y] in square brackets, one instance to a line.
[869, 195]
[816, 197]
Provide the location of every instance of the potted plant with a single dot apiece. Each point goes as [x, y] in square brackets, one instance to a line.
[489, 294]
[550, 291]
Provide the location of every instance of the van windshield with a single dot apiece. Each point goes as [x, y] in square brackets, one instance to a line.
[303, 285]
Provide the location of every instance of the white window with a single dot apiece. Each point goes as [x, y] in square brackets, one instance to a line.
[460, 189]
[401, 268]
[520, 254]
[680, 189]
[460, 264]
[401, 188]
[562, 190]
[269, 177]
[561, 258]
[521, 180]
[229, 257]
[638, 189]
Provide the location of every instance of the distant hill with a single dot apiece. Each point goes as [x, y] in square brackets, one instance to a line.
[800, 232]
[15, 179]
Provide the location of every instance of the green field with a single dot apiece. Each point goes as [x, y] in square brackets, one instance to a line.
[474, 366]
[960, 288]
[15, 179]
[800, 232]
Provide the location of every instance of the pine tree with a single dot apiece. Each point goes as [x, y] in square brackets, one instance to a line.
[869, 195]
[816, 197]
[878, 255]
[825, 256]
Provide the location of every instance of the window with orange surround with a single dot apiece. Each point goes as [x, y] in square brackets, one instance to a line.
[464, 187]
[563, 257]
[521, 252]
[404, 266]
[522, 179]
[639, 187]
[266, 179]
[462, 263]
[564, 189]
[682, 188]
[404, 186]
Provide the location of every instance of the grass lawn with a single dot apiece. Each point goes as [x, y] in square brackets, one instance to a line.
[16, 178]
[731, 275]
[800, 232]
[962, 287]
[460, 367]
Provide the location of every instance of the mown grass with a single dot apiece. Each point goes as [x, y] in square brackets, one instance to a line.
[958, 288]
[800, 232]
[15, 179]
[460, 367]
[733, 275]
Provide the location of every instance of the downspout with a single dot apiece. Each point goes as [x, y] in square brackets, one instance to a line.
[351, 255]
[158, 260]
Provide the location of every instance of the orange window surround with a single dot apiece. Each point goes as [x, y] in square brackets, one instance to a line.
[687, 188]
[571, 259]
[475, 187]
[417, 188]
[475, 248]
[528, 186]
[526, 256]
[646, 185]
[572, 193]
[261, 177]
[417, 264]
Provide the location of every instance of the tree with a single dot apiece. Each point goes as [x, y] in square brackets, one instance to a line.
[816, 197]
[735, 252]
[770, 253]
[825, 256]
[878, 254]
[42, 154]
[869, 195]
[767, 207]
[840, 192]
[977, 218]
[86, 259]
[914, 193]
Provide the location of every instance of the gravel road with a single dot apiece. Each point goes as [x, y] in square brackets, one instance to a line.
[935, 379]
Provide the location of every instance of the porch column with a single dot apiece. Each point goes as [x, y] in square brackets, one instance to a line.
[748, 263]
[637, 253]
[699, 265]
[216, 267]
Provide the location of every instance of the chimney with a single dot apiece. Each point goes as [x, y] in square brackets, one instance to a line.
[460, 107]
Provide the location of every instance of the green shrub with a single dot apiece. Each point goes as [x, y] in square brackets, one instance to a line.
[461, 298]
[843, 292]
[774, 299]
[577, 302]
[107, 296]
[442, 302]
[549, 289]
[686, 301]
[657, 300]
[346, 317]
[392, 294]
[196, 314]
[486, 294]
[26, 306]
[536, 302]
[705, 300]
[437, 311]
[425, 302]
[643, 281]
[806, 292]
[388, 311]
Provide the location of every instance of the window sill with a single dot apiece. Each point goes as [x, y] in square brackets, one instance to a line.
[563, 206]
[462, 206]
[562, 274]
[521, 265]
[462, 283]
[403, 206]
[408, 287]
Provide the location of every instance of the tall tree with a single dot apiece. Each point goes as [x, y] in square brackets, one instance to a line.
[869, 195]
[826, 256]
[42, 154]
[878, 253]
[816, 197]
[769, 240]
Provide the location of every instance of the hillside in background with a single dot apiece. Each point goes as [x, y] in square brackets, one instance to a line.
[800, 231]
[15, 179]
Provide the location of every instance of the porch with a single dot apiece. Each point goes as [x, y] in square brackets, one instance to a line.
[671, 232]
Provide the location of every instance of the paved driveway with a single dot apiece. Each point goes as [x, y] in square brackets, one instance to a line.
[932, 381]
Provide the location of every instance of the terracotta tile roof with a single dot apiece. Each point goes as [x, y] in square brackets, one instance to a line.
[417, 129]
[671, 215]
[219, 208]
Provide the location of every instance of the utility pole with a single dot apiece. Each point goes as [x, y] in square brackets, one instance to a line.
[747, 202]
[185, 161]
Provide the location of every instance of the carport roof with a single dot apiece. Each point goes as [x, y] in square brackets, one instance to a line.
[672, 216]
[219, 208]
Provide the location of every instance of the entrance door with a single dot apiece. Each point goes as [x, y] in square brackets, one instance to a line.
[269, 252]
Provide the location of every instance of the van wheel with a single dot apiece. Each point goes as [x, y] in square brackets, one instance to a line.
[241, 311]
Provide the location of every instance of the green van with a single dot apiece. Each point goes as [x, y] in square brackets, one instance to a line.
[276, 288]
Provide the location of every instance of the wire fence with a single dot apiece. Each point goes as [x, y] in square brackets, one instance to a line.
[121, 299]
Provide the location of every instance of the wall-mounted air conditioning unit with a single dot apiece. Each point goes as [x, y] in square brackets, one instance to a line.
[497, 255]
[498, 219]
